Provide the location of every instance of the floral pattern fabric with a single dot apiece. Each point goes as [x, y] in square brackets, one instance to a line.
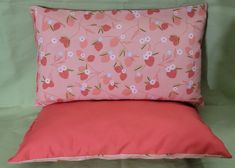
[119, 54]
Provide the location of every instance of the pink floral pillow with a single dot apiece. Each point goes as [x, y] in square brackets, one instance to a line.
[119, 54]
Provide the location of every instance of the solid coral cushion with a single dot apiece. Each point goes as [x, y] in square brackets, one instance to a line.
[118, 129]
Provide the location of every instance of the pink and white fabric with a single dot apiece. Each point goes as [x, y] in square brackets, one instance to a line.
[119, 54]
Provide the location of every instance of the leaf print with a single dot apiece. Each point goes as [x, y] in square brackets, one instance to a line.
[122, 53]
[71, 20]
[89, 31]
[141, 29]
[176, 20]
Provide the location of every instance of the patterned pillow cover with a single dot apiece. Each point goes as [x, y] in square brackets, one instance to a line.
[119, 54]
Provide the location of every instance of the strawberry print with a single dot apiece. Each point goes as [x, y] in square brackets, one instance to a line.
[64, 71]
[191, 72]
[90, 58]
[84, 89]
[174, 39]
[112, 85]
[104, 57]
[83, 42]
[171, 71]
[65, 41]
[138, 77]
[191, 38]
[45, 25]
[164, 26]
[130, 90]
[114, 12]
[152, 11]
[151, 83]
[97, 90]
[129, 60]
[149, 58]
[119, 54]
[56, 26]
[47, 83]
[43, 58]
[190, 11]
[130, 16]
[50, 10]
[98, 45]
[114, 42]
[117, 68]
[159, 25]
[123, 75]
[84, 74]
[190, 87]
[88, 15]
[99, 15]
[126, 92]
[197, 55]
[106, 27]
[174, 93]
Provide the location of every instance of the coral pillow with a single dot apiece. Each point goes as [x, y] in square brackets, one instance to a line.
[118, 130]
[119, 54]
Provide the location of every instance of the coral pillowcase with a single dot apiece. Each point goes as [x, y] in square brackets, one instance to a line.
[119, 54]
[118, 130]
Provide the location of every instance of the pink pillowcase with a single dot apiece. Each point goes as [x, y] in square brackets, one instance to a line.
[118, 130]
[119, 54]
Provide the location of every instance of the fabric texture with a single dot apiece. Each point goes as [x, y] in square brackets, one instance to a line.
[119, 54]
[18, 69]
[117, 130]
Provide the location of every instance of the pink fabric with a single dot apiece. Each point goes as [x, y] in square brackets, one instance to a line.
[119, 54]
[116, 130]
